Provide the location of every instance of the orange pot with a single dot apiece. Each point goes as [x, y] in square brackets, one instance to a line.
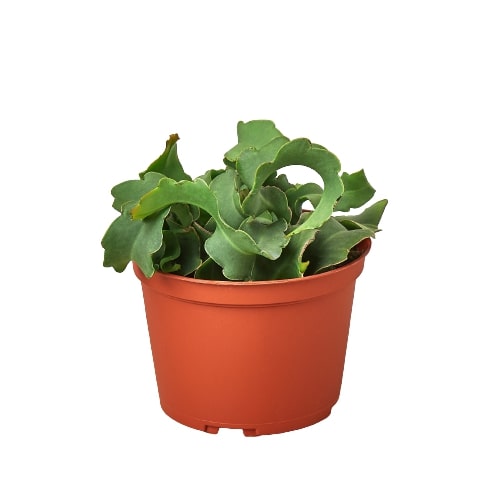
[262, 356]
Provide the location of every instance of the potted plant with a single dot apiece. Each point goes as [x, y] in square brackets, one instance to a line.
[247, 296]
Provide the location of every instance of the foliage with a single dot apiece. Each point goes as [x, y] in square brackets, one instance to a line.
[243, 222]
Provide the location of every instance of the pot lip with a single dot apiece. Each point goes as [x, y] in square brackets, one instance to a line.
[364, 245]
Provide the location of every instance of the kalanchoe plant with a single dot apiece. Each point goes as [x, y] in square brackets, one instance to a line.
[244, 222]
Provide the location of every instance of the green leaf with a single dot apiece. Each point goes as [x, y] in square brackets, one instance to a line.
[195, 193]
[368, 219]
[181, 250]
[210, 270]
[210, 175]
[253, 134]
[189, 258]
[169, 251]
[266, 217]
[280, 181]
[225, 188]
[298, 152]
[233, 249]
[184, 215]
[132, 240]
[290, 264]
[296, 196]
[168, 162]
[270, 238]
[267, 199]
[128, 191]
[251, 158]
[332, 245]
[168, 266]
[168, 191]
[236, 264]
[357, 191]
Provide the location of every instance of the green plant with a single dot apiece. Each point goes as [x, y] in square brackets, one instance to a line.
[244, 222]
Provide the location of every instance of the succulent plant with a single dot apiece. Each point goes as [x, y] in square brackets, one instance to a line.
[246, 221]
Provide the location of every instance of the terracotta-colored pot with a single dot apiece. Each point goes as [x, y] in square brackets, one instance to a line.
[264, 356]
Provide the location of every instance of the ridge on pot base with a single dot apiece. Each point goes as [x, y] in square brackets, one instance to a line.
[263, 356]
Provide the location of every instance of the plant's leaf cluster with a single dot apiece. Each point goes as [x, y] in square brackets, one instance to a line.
[245, 222]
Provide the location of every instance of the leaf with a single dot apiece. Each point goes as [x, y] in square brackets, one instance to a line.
[332, 245]
[298, 152]
[184, 215]
[168, 162]
[128, 191]
[296, 196]
[280, 181]
[132, 240]
[168, 266]
[290, 264]
[210, 270]
[251, 158]
[169, 251]
[270, 238]
[189, 258]
[210, 175]
[368, 219]
[168, 191]
[181, 250]
[236, 264]
[266, 217]
[224, 187]
[253, 134]
[195, 193]
[267, 199]
[233, 249]
[357, 191]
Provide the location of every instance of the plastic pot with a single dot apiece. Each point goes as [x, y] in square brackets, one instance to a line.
[265, 356]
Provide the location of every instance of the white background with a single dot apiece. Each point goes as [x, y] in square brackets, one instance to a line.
[407, 90]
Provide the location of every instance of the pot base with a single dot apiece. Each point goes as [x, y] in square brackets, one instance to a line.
[251, 430]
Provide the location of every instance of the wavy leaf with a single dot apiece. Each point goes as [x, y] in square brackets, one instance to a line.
[233, 249]
[300, 193]
[170, 250]
[168, 191]
[280, 181]
[225, 188]
[357, 191]
[131, 240]
[236, 264]
[290, 263]
[189, 258]
[251, 159]
[270, 238]
[368, 219]
[298, 152]
[129, 191]
[210, 270]
[253, 134]
[168, 162]
[332, 246]
[268, 199]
